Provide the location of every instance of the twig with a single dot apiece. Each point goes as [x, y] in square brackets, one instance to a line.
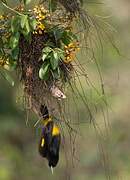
[6, 6]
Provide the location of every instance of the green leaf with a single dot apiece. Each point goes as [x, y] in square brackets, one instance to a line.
[72, 35]
[50, 44]
[24, 19]
[44, 56]
[14, 40]
[54, 60]
[13, 66]
[27, 27]
[33, 23]
[47, 50]
[15, 53]
[58, 32]
[57, 73]
[66, 40]
[43, 72]
[55, 54]
[68, 37]
[26, 2]
[8, 78]
[15, 24]
[60, 52]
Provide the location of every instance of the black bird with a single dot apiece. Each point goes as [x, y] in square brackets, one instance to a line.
[50, 140]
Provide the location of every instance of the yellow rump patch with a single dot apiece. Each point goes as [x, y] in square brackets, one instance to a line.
[55, 131]
[43, 142]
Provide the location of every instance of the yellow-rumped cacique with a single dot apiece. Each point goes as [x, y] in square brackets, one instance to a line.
[50, 139]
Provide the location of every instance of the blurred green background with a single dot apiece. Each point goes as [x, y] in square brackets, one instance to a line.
[19, 158]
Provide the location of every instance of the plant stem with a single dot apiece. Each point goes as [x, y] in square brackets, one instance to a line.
[50, 6]
[11, 9]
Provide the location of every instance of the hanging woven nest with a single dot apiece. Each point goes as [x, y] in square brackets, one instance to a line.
[45, 62]
[42, 46]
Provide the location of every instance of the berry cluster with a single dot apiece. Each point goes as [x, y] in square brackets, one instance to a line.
[70, 51]
[40, 14]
